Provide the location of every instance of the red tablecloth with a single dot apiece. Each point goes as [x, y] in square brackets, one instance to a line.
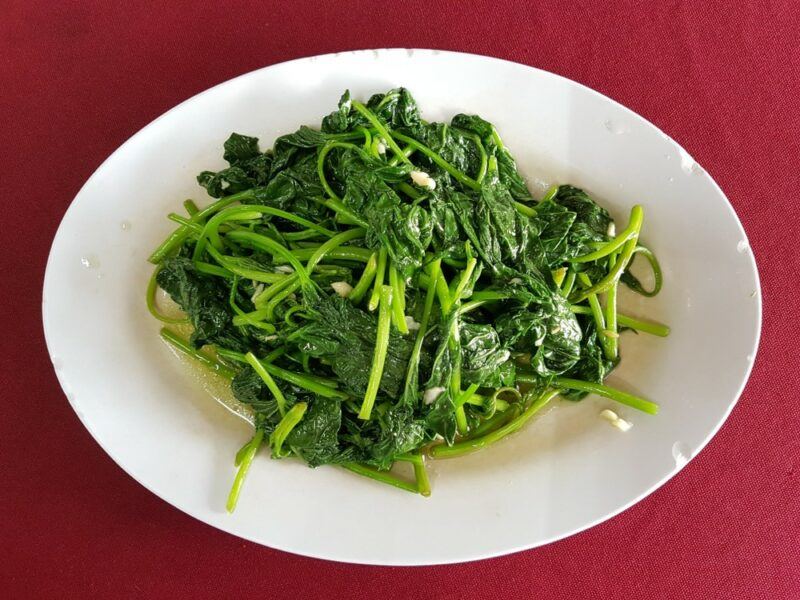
[77, 79]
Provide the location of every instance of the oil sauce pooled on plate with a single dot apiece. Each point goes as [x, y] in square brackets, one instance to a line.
[216, 386]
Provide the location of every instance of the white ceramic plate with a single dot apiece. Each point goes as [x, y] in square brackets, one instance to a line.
[565, 472]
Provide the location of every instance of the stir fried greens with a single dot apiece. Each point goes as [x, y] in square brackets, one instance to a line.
[386, 289]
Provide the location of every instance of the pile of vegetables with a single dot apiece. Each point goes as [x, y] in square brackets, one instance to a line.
[387, 290]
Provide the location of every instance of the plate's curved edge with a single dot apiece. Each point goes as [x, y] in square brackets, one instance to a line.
[459, 559]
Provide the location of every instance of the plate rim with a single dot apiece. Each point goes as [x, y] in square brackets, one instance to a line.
[408, 563]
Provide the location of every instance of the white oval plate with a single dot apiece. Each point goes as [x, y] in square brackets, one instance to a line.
[565, 472]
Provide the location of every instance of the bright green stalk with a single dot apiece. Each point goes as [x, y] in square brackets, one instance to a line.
[177, 237]
[455, 173]
[466, 274]
[285, 426]
[382, 476]
[492, 423]
[413, 361]
[150, 299]
[616, 271]
[471, 445]
[268, 327]
[215, 270]
[398, 300]
[550, 193]
[367, 276]
[569, 282]
[631, 231]
[407, 151]
[181, 345]
[333, 243]
[233, 264]
[191, 207]
[526, 210]
[379, 276]
[379, 356]
[597, 313]
[312, 383]
[610, 333]
[559, 275]
[657, 275]
[244, 467]
[262, 242]
[268, 380]
[420, 474]
[636, 402]
[382, 131]
[650, 327]
[323, 152]
[351, 253]
[465, 396]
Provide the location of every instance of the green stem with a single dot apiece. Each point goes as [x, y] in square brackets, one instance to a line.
[262, 242]
[150, 299]
[398, 300]
[470, 306]
[343, 214]
[323, 152]
[285, 426]
[302, 380]
[183, 346]
[297, 236]
[379, 356]
[234, 265]
[191, 207]
[650, 327]
[443, 293]
[407, 151]
[382, 131]
[466, 274]
[569, 282]
[616, 271]
[610, 333]
[332, 244]
[493, 423]
[635, 285]
[351, 253]
[268, 380]
[215, 270]
[471, 445]
[550, 193]
[375, 298]
[436, 158]
[244, 467]
[420, 473]
[597, 313]
[413, 361]
[262, 299]
[524, 209]
[409, 191]
[465, 396]
[367, 137]
[367, 276]
[268, 327]
[632, 230]
[382, 476]
[177, 237]
[625, 398]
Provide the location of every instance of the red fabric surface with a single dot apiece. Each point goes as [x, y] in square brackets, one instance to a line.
[78, 79]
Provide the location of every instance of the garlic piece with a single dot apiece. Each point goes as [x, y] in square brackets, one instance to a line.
[430, 395]
[342, 288]
[422, 179]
